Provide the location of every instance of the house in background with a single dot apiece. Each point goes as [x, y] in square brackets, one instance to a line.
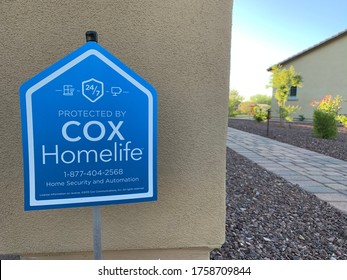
[323, 68]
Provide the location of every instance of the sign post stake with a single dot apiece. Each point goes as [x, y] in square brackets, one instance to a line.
[92, 36]
[97, 233]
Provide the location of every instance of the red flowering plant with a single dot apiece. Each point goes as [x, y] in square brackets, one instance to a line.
[328, 104]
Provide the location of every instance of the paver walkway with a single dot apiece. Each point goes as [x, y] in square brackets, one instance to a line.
[324, 176]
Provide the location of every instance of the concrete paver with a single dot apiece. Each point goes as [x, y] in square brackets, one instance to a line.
[332, 197]
[337, 186]
[324, 176]
[342, 206]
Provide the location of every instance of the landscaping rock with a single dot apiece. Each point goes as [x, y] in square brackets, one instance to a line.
[282, 223]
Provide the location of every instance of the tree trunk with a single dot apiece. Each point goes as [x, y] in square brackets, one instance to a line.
[281, 117]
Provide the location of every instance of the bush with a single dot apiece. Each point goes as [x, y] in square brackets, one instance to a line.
[324, 124]
[301, 118]
[342, 119]
[328, 104]
[259, 114]
[246, 107]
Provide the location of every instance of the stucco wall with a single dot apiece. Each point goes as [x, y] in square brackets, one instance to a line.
[182, 48]
[324, 72]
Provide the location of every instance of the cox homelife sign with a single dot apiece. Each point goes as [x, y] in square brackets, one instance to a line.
[89, 127]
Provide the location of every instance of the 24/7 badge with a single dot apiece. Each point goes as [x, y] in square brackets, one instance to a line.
[92, 89]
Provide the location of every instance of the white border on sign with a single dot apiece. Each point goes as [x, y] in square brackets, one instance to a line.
[31, 151]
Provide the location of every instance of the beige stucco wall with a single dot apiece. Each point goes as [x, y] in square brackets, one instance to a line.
[324, 72]
[182, 48]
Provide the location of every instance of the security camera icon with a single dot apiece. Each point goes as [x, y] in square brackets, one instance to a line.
[116, 91]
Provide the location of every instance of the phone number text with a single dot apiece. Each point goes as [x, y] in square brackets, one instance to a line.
[93, 173]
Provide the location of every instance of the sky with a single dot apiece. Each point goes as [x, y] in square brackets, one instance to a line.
[266, 32]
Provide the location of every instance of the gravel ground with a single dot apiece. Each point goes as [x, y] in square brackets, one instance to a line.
[270, 218]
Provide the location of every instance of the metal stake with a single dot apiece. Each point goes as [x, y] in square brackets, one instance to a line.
[92, 36]
[97, 233]
[268, 122]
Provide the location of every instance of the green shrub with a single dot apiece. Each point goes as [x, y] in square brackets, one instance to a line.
[259, 114]
[301, 118]
[342, 119]
[324, 124]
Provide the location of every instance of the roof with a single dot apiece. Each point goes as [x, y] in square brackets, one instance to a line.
[311, 49]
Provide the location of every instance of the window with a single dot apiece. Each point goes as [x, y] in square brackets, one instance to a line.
[293, 94]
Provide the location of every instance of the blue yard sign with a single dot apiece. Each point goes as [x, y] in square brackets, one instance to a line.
[89, 127]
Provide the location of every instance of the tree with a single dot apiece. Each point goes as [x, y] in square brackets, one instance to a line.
[282, 80]
[246, 107]
[234, 100]
[261, 99]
